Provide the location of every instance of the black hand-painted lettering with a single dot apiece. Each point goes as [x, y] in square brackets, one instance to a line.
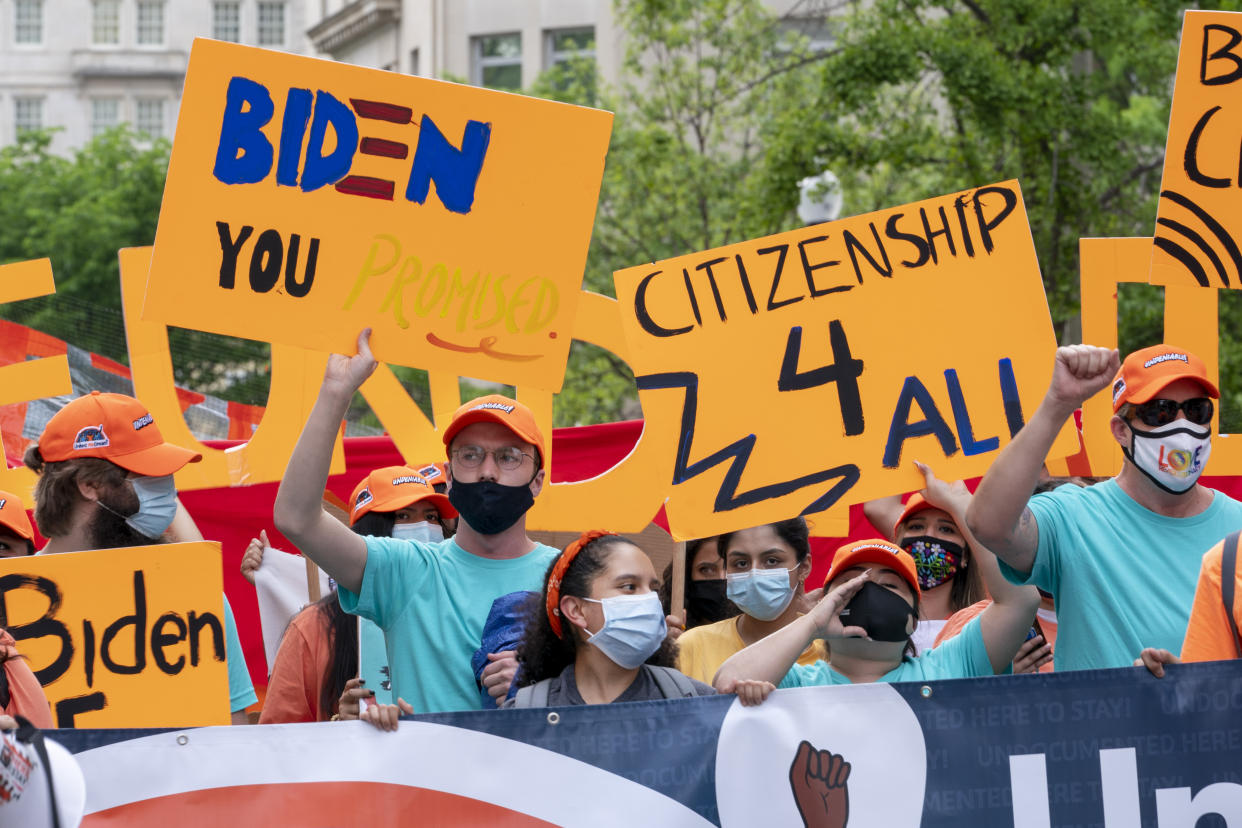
[210, 622]
[67, 709]
[738, 455]
[139, 622]
[694, 301]
[808, 269]
[931, 235]
[1190, 160]
[986, 225]
[1223, 53]
[161, 639]
[893, 232]
[46, 624]
[844, 370]
[854, 246]
[901, 429]
[750, 294]
[292, 286]
[959, 206]
[265, 261]
[711, 280]
[644, 316]
[228, 252]
[781, 250]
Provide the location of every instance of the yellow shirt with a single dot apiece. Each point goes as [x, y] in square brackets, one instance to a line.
[703, 649]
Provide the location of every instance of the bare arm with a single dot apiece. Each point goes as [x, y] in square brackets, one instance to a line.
[1007, 620]
[997, 515]
[770, 658]
[299, 511]
[183, 529]
[883, 514]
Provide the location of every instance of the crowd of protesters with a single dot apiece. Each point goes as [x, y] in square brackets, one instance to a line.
[1023, 575]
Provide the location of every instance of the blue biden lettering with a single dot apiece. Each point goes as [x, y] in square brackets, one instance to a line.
[246, 154]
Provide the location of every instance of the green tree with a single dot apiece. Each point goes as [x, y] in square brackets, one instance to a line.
[80, 211]
[686, 168]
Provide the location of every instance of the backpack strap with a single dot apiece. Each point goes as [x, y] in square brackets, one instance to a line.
[1228, 579]
[672, 683]
[533, 695]
[31, 735]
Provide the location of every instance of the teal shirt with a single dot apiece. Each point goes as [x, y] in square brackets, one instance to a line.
[963, 656]
[1123, 577]
[241, 691]
[431, 601]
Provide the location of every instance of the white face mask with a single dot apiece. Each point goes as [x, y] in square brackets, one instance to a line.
[760, 593]
[634, 628]
[1171, 456]
[423, 532]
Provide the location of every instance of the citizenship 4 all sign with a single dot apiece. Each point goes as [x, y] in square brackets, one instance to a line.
[809, 368]
[308, 199]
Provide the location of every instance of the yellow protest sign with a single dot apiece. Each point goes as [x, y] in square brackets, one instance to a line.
[1191, 321]
[810, 368]
[123, 637]
[296, 374]
[1198, 238]
[308, 199]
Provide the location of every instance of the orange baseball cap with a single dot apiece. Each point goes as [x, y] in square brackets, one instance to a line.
[113, 427]
[916, 503]
[392, 488]
[497, 409]
[878, 552]
[13, 515]
[1146, 372]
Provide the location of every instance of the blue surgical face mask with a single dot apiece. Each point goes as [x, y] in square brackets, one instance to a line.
[422, 532]
[157, 505]
[634, 628]
[763, 594]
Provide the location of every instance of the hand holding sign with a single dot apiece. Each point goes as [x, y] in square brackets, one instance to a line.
[819, 781]
[346, 374]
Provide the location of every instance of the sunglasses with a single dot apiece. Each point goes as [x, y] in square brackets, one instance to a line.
[1162, 412]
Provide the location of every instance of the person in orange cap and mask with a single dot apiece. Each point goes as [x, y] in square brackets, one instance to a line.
[106, 482]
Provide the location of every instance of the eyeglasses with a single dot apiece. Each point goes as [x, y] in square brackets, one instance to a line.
[507, 458]
[1162, 412]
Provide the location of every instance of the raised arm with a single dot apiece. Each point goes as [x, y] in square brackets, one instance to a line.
[997, 514]
[770, 658]
[1008, 619]
[299, 511]
[883, 514]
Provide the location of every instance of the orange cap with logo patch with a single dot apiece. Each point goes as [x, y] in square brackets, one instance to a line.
[392, 488]
[874, 551]
[1146, 372]
[495, 408]
[112, 427]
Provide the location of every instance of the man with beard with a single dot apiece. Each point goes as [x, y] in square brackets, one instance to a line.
[431, 599]
[106, 482]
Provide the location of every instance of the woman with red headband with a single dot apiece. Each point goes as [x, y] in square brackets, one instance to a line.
[867, 617]
[598, 635]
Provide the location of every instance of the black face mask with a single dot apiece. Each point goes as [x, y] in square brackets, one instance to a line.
[881, 612]
[489, 507]
[706, 601]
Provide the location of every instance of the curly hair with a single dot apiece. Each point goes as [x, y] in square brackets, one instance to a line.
[544, 654]
[56, 492]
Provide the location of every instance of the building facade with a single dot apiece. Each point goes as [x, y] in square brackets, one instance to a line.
[82, 66]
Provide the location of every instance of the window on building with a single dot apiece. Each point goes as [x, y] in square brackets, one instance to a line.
[498, 61]
[150, 22]
[149, 117]
[106, 23]
[570, 55]
[271, 23]
[226, 21]
[28, 21]
[815, 33]
[105, 114]
[27, 114]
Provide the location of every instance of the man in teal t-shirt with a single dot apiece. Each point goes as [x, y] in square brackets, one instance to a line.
[1120, 558]
[430, 599]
